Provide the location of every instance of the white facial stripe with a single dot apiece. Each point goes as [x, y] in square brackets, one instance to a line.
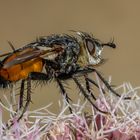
[94, 61]
[98, 51]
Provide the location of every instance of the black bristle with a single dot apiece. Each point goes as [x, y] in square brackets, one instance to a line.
[4, 83]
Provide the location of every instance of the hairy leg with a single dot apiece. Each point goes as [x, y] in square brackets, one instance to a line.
[21, 94]
[87, 96]
[63, 92]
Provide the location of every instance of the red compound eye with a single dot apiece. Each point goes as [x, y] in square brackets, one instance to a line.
[90, 46]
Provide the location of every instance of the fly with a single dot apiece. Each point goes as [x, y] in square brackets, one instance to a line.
[62, 56]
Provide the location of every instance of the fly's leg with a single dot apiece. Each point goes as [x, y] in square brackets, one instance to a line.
[28, 99]
[64, 93]
[94, 83]
[32, 76]
[106, 84]
[45, 78]
[21, 94]
[87, 96]
[88, 88]
[84, 72]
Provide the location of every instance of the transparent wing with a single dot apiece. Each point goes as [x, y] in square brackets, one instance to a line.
[5, 54]
[30, 54]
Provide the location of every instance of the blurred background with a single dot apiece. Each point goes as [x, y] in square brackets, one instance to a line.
[22, 21]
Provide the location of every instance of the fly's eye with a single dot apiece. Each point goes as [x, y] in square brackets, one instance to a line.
[90, 46]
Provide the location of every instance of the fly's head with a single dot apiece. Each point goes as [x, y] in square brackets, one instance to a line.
[93, 48]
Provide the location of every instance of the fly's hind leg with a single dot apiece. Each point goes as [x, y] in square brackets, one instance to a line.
[21, 94]
[28, 99]
[32, 76]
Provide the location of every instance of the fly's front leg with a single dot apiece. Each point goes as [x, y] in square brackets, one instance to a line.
[107, 84]
[94, 83]
[88, 88]
[84, 72]
[86, 95]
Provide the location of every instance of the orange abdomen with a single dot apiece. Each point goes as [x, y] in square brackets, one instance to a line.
[20, 71]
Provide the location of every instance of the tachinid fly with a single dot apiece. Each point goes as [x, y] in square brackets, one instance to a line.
[62, 56]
